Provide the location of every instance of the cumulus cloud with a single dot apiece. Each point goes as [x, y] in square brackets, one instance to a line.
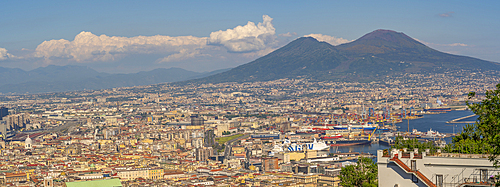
[183, 55]
[223, 48]
[329, 39]
[288, 34]
[4, 55]
[247, 38]
[457, 44]
[447, 14]
[447, 45]
[89, 47]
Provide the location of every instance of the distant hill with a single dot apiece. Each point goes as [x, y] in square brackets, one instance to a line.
[70, 78]
[371, 57]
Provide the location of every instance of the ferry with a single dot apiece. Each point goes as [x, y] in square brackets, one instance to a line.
[317, 146]
[364, 126]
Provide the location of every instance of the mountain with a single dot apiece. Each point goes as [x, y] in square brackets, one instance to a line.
[70, 78]
[371, 57]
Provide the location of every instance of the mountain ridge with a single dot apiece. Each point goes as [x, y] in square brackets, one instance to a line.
[54, 78]
[371, 57]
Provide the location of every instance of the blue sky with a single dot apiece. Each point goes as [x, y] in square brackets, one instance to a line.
[143, 35]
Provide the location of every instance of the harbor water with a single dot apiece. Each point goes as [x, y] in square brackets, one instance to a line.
[436, 122]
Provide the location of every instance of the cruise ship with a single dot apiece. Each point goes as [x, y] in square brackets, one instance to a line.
[317, 146]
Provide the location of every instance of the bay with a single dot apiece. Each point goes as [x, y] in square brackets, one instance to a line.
[436, 122]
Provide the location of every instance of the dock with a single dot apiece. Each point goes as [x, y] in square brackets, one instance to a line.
[465, 117]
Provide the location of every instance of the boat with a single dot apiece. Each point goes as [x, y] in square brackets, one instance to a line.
[433, 134]
[437, 109]
[365, 126]
[310, 132]
[316, 146]
[347, 142]
[329, 137]
[386, 141]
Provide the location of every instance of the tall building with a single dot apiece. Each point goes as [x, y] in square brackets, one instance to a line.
[203, 153]
[197, 120]
[269, 164]
[209, 138]
[17, 121]
[3, 112]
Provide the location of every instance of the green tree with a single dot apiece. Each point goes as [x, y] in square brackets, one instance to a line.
[363, 174]
[487, 127]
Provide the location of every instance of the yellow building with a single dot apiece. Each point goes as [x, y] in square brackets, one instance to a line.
[293, 156]
[238, 150]
[105, 141]
[133, 141]
[149, 141]
[155, 174]
[126, 175]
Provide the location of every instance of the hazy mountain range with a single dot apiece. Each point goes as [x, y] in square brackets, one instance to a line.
[372, 57]
[67, 78]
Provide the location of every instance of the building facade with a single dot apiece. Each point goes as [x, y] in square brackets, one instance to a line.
[402, 169]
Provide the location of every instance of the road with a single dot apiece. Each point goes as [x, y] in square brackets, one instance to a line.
[228, 144]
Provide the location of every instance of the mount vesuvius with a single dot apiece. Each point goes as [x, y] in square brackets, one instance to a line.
[374, 56]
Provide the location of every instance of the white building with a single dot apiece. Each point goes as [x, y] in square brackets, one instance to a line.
[406, 169]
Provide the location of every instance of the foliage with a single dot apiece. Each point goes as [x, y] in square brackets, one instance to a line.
[469, 141]
[413, 143]
[223, 140]
[363, 173]
[487, 126]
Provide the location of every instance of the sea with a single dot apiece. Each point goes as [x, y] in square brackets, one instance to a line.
[436, 122]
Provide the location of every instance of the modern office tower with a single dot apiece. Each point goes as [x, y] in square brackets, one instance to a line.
[3, 112]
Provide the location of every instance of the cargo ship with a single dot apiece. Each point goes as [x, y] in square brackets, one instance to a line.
[346, 142]
[440, 109]
[365, 126]
[330, 137]
[299, 132]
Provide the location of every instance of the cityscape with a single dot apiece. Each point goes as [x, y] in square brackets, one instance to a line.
[164, 93]
[209, 134]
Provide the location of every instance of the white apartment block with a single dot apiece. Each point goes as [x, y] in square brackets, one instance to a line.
[407, 169]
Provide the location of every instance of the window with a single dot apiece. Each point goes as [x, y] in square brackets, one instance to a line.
[484, 175]
[414, 179]
[439, 180]
[413, 165]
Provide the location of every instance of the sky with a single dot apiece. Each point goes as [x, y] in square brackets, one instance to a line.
[132, 36]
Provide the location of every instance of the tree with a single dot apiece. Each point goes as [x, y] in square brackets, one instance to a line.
[487, 126]
[363, 174]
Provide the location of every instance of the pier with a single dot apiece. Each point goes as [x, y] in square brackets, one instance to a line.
[458, 120]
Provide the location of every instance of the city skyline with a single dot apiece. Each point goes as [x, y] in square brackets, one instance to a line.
[127, 37]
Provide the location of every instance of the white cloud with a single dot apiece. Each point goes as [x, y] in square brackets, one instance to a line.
[457, 44]
[329, 39]
[246, 38]
[222, 48]
[89, 47]
[446, 15]
[447, 45]
[183, 55]
[288, 34]
[4, 55]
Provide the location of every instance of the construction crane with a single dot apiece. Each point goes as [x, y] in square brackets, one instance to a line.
[371, 112]
[370, 137]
